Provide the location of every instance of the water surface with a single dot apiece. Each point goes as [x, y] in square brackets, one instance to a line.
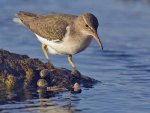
[123, 67]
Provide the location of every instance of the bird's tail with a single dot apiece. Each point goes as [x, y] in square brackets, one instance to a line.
[21, 17]
[17, 20]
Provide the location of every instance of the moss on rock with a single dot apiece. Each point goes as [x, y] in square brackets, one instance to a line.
[18, 71]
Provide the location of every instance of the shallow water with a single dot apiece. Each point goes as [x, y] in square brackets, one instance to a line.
[123, 67]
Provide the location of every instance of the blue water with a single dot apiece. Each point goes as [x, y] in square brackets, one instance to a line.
[123, 67]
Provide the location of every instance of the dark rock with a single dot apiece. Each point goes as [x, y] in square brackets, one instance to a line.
[22, 71]
[42, 83]
[44, 73]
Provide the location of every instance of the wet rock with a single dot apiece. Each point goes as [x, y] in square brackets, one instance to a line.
[44, 73]
[10, 82]
[20, 71]
[29, 74]
[41, 83]
[55, 89]
[76, 88]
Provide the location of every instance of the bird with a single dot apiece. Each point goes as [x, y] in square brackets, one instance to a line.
[61, 34]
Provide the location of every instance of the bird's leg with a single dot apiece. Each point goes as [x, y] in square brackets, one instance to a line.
[74, 71]
[70, 62]
[44, 49]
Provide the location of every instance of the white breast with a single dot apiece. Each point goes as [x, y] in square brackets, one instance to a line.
[66, 46]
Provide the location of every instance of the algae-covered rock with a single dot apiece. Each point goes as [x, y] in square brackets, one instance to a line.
[44, 73]
[20, 71]
[42, 83]
[29, 74]
[10, 82]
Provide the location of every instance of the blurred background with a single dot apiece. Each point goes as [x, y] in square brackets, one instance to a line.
[123, 67]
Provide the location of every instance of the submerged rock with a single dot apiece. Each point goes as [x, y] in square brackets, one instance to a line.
[44, 73]
[42, 83]
[20, 71]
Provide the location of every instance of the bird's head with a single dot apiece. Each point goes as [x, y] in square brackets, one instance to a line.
[88, 25]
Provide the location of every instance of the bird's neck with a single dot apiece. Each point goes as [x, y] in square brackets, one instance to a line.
[75, 31]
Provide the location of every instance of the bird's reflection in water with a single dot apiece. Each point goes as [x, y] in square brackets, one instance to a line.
[47, 105]
[42, 101]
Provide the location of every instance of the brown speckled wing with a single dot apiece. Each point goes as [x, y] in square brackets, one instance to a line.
[51, 27]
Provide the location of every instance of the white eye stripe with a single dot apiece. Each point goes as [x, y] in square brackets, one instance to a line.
[87, 23]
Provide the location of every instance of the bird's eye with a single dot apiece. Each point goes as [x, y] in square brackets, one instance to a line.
[86, 25]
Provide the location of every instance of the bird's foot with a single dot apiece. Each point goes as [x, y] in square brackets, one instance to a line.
[75, 72]
[53, 69]
[50, 66]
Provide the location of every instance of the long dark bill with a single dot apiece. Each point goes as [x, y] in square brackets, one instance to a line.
[96, 37]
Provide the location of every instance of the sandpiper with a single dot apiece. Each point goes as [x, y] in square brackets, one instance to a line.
[61, 34]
